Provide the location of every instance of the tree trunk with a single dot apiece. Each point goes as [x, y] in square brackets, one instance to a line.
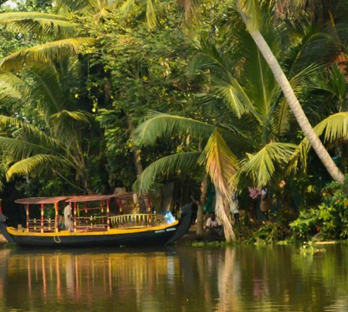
[292, 100]
[222, 212]
[136, 151]
[200, 204]
[167, 196]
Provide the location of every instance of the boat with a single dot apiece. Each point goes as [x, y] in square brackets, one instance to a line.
[96, 220]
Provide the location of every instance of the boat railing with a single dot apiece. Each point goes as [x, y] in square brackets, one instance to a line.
[92, 222]
[134, 220]
[39, 225]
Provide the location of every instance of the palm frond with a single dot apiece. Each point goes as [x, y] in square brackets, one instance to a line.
[333, 128]
[11, 89]
[45, 53]
[164, 125]
[20, 149]
[77, 5]
[282, 115]
[45, 89]
[127, 6]
[38, 23]
[36, 164]
[261, 166]
[234, 97]
[334, 84]
[75, 115]
[172, 164]
[209, 58]
[251, 10]
[220, 163]
[151, 19]
[32, 132]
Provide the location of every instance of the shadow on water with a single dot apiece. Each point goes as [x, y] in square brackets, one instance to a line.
[176, 279]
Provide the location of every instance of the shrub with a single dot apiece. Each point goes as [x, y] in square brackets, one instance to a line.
[330, 218]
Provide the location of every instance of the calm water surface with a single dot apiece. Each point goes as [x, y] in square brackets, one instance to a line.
[181, 279]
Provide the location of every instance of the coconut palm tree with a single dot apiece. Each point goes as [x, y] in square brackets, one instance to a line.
[249, 12]
[48, 132]
[46, 26]
[240, 79]
[242, 82]
[62, 31]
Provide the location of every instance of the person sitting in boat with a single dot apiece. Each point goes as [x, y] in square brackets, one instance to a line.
[213, 226]
[68, 218]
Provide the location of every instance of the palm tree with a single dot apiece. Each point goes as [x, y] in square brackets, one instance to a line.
[219, 161]
[66, 29]
[259, 116]
[44, 26]
[48, 130]
[242, 82]
[248, 11]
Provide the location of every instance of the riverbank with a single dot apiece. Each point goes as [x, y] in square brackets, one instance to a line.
[261, 234]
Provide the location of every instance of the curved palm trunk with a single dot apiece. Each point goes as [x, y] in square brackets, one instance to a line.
[221, 210]
[292, 100]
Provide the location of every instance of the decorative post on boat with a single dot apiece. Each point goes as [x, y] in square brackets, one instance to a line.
[120, 204]
[75, 221]
[27, 215]
[149, 211]
[102, 215]
[42, 217]
[108, 213]
[149, 201]
[56, 217]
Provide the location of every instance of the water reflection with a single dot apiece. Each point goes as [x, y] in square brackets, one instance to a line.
[237, 279]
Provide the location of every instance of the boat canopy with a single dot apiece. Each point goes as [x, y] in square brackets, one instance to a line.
[92, 216]
[89, 198]
[41, 200]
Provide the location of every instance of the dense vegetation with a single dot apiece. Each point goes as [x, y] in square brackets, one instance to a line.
[167, 96]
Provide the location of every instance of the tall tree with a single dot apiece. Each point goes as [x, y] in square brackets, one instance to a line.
[49, 130]
[248, 10]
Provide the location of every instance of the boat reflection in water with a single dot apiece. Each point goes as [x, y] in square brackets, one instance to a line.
[184, 279]
[84, 281]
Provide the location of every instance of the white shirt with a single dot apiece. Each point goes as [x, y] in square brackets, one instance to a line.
[211, 224]
[67, 217]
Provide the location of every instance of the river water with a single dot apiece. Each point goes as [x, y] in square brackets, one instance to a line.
[178, 279]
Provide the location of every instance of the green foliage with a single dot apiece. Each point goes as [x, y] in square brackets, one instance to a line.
[330, 218]
[48, 134]
[262, 165]
[269, 233]
[310, 249]
[141, 71]
[305, 225]
[159, 126]
[37, 23]
[45, 53]
[194, 63]
[177, 163]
